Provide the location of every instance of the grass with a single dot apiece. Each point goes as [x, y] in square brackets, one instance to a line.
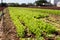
[29, 21]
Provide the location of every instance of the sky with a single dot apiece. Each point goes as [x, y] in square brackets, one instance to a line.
[18, 1]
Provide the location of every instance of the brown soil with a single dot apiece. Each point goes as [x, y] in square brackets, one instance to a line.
[50, 7]
[9, 28]
[1, 8]
[45, 7]
[54, 19]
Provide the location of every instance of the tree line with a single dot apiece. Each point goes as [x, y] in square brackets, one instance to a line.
[36, 3]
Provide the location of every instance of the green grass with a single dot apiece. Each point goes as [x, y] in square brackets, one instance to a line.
[32, 19]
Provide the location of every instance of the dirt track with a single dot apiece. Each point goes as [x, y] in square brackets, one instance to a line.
[51, 7]
[1, 8]
[45, 7]
[7, 28]
[2, 35]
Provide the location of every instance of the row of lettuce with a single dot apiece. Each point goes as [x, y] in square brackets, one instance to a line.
[25, 18]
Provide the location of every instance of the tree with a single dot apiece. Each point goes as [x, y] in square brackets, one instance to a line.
[3, 4]
[23, 4]
[40, 2]
[30, 4]
[13, 4]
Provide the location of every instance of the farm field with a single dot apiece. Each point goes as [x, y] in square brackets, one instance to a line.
[42, 24]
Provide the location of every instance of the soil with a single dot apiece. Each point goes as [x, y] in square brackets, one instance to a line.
[50, 7]
[1, 8]
[54, 19]
[9, 28]
[45, 7]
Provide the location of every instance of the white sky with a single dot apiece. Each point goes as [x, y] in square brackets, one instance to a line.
[19, 1]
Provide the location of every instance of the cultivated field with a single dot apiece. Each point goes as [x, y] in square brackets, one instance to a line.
[36, 24]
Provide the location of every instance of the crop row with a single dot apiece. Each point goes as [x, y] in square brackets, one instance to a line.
[28, 21]
[49, 11]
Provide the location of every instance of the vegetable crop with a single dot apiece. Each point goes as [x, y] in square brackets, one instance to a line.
[29, 18]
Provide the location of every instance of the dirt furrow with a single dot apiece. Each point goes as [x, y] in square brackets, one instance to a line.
[9, 28]
[2, 35]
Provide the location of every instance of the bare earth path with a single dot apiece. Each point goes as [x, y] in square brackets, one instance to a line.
[2, 35]
[7, 28]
